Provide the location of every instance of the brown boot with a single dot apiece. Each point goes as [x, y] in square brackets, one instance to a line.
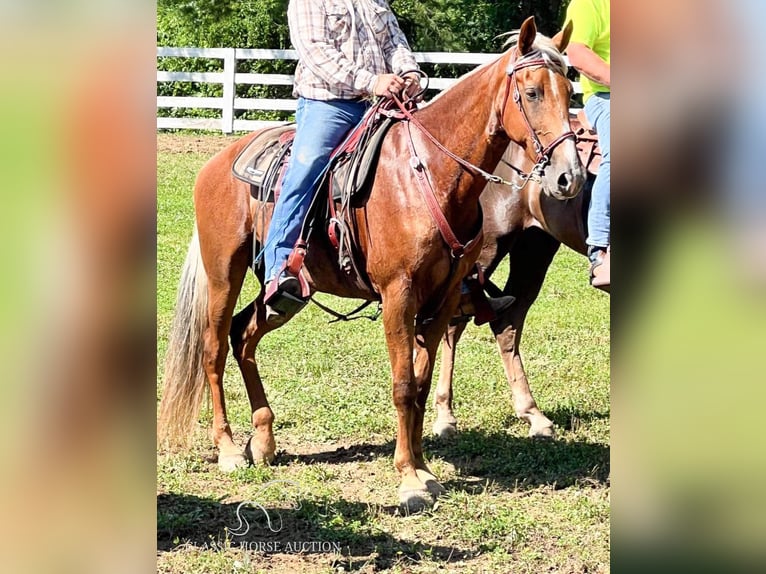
[600, 270]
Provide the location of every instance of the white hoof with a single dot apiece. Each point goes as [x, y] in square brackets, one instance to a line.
[230, 462]
[258, 455]
[445, 430]
[432, 485]
[543, 431]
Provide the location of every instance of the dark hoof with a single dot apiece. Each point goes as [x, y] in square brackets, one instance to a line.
[415, 501]
[257, 455]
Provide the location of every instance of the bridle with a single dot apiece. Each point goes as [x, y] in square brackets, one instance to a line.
[512, 86]
[457, 248]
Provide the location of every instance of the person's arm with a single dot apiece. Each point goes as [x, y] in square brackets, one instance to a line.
[588, 63]
[395, 47]
[307, 22]
[398, 55]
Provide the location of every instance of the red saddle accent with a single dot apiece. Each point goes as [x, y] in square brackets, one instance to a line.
[586, 142]
[287, 137]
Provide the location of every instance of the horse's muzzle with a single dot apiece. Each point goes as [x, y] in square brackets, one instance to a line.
[565, 183]
[568, 185]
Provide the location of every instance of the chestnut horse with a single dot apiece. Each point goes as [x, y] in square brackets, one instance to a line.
[528, 229]
[523, 96]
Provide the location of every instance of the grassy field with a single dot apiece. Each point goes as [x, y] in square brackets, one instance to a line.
[513, 504]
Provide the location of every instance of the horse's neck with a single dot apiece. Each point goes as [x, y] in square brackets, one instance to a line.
[461, 119]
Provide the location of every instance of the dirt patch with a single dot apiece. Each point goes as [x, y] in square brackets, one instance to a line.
[206, 144]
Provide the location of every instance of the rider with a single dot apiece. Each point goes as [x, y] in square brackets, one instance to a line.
[347, 51]
[588, 53]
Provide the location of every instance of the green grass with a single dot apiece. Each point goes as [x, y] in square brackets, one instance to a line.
[513, 504]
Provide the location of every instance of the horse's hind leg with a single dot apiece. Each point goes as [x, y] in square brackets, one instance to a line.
[445, 424]
[225, 277]
[531, 256]
[247, 329]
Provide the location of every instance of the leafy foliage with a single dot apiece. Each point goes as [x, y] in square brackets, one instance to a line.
[214, 24]
[229, 23]
[430, 25]
[471, 25]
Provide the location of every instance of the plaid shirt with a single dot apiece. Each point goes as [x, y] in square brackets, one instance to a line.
[343, 45]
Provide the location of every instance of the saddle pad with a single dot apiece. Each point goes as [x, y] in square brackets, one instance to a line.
[253, 162]
[261, 163]
[352, 175]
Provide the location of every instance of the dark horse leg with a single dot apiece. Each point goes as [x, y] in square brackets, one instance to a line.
[531, 255]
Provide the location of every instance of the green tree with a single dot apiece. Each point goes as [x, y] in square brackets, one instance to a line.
[472, 25]
[227, 23]
[430, 25]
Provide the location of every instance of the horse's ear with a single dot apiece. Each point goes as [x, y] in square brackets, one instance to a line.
[527, 36]
[561, 40]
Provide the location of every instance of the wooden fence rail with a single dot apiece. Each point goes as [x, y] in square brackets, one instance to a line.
[229, 78]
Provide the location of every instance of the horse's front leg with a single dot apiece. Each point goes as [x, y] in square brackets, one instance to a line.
[399, 326]
[445, 425]
[531, 256]
[523, 402]
[427, 340]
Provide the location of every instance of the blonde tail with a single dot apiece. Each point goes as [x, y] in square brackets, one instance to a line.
[184, 375]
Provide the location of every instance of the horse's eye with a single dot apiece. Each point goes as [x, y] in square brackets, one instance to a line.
[531, 94]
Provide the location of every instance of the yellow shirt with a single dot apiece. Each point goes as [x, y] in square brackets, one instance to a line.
[591, 27]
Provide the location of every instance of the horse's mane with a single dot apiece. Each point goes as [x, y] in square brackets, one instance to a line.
[542, 48]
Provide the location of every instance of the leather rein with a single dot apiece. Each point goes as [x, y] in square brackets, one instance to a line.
[457, 248]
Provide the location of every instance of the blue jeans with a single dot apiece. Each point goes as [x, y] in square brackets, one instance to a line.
[597, 112]
[321, 127]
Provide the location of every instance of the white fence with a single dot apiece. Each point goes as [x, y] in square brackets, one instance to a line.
[229, 78]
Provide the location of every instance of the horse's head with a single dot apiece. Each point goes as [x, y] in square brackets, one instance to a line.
[533, 108]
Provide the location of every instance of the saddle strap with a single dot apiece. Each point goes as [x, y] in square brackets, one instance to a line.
[457, 248]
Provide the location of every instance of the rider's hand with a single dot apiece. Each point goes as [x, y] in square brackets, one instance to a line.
[387, 85]
[412, 86]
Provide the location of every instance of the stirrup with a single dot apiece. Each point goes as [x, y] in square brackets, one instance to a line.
[289, 291]
[283, 297]
[603, 260]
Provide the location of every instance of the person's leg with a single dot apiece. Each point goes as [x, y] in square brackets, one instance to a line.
[321, 126]
[597, 110]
